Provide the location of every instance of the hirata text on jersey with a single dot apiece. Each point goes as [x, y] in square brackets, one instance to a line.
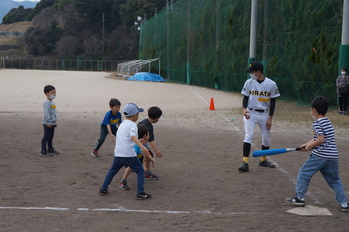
[259, 93]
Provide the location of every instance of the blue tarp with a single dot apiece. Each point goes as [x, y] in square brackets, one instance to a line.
[145, 76]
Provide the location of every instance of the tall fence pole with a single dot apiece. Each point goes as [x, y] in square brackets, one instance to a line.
[217, 23]
[344, 47]
[253, 31]
[188, 42]
[266, 37]
[167, 41]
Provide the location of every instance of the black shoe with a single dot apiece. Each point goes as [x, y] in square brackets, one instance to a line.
[45, 154]
[142, 196]
[296, 201]
[53, 152]
[103, 192]
[244, 167]
[266, 163]
[344, 207]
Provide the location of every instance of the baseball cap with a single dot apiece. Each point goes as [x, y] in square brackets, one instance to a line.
[254, 67]
[131, 109]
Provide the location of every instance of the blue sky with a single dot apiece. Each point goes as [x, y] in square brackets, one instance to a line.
[26, 0]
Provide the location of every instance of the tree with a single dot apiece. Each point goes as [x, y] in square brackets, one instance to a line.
[16, 15]
[41, 38]
[68, 47]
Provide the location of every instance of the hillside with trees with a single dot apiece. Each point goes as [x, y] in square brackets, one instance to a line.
[7, 5]
[83, 29]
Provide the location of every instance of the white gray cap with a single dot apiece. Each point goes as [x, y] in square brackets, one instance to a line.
[131, 109]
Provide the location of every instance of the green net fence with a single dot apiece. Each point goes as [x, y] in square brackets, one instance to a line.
[206, 43]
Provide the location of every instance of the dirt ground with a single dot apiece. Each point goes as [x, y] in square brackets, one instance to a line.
[199, 186]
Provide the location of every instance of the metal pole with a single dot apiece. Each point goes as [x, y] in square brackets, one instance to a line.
[344, 47]
[167, 41]
[103, 31]
[345, 24]
[217, 23]
[266, 36]
[188, 42]
[253, 31]
[156, 20]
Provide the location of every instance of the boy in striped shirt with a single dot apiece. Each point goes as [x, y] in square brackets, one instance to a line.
[323, 157]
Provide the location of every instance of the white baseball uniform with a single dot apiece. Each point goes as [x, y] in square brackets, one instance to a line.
[258, 105]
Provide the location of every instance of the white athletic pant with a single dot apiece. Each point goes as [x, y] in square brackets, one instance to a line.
[250, 124]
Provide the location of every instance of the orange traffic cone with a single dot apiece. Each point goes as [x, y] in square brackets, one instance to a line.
[211, 104]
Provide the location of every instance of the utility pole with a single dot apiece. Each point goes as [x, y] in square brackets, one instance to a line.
[253, 31]
[344, 47]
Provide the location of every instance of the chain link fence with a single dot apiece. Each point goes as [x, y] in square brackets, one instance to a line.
[206, 43]
[62, 64]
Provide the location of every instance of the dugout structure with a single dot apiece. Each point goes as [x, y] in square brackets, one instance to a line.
[206, 43]
[129, 68]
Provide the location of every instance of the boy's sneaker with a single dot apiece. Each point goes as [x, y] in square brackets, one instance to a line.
[45, 154]
[142, 196]
[244, 167]
[150, 176]
[103, 192]
[266, 163]
[123, 185]
[53, 152]
[94, 153]
[344, 207]
[296, 201]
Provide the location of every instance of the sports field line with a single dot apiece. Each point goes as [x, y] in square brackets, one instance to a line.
[124, 210]
[222, 115]
[240, 132]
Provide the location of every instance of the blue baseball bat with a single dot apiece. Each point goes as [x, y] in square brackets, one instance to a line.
[274, 151]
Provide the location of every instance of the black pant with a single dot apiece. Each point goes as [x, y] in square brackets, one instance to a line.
[49, 132]
[342, 99]
[103, 135]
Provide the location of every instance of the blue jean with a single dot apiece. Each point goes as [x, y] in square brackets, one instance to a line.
[133, 163]
[329, 170]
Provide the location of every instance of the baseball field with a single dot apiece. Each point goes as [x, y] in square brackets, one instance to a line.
[199, 186]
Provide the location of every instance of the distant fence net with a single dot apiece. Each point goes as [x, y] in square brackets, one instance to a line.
[206, 43]
[63, 64]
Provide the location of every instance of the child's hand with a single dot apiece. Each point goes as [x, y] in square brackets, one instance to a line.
[145, 151]
[143, 141]
[158, 154]
[246, 113]
[303, 147]
[306, 147]
[113, 138]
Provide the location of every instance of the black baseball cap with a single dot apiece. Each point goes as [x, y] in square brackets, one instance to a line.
[255, 66]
